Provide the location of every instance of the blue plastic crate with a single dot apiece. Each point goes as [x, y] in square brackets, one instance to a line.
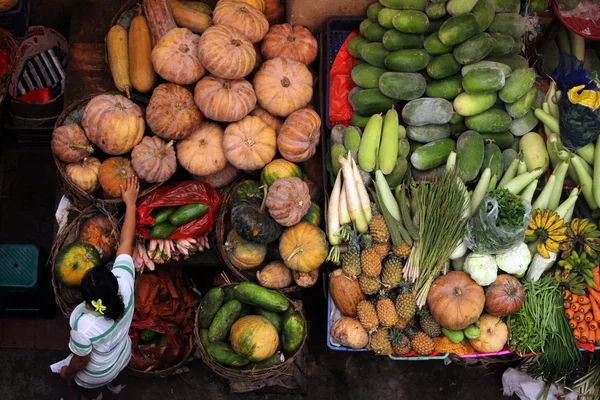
[335, 33]
[18, 266]
[16, 21]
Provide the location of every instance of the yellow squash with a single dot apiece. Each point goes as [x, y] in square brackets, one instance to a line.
[118, 58]
[141, 72]
[190, 17]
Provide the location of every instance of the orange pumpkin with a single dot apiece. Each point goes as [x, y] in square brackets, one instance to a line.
[300, 135]
[288, 200]
[113, 173]
[303, 247]
[293, 42]
[70, 144]
[201, 153]
[223, 99]
[220, 178]
[113, 123]
[249, 144]
[99, 232]
[245, 18]
[84, 175]
[175, 57]
[153, 160]
[268, 119]
[172, 113]
[226, 52]
[274, 11]
[283, 86]
[258, 4]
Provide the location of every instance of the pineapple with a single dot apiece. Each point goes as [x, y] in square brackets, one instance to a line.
[382, 249]
[402, 251]
[367, 315]
[391, 274]
[406, 305]
[401, 324]
[399, 341]
[365, 241]
[351, 259]
[379, 230]
[419, 341]
[370, 262]
[380, 342]
[368, 285]
[386, 311]
[428, 324]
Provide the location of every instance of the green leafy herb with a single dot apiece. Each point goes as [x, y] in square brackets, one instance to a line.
[510, 208]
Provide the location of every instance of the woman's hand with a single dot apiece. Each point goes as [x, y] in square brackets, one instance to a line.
[65, 373]
[129, 193]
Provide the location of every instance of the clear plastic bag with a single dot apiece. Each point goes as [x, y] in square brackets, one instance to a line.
[484, 237]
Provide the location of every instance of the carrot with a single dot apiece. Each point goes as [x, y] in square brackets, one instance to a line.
[576, 335]
[592, 336]
[583, 329]
[593, 325]
[566, 295]
[575, 306]
[597, 340]
[588, 317]
[585, 308]
[596, 276]
[573, 298]
[583, 300]
[569, 313]
[594, 294]
[572, 323]
[579, 317]
[595, 308]
[566, 304]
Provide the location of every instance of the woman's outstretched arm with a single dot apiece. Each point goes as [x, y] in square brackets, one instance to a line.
[129, 195]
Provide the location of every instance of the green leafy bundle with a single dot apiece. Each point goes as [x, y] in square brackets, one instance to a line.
[510, 208]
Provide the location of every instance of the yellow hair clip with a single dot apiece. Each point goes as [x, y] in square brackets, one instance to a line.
[98, 306]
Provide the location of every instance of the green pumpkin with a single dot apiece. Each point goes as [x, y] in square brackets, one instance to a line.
[252, 221]
[73, 261]
[313, 215]
[246, 189]
[279, 168]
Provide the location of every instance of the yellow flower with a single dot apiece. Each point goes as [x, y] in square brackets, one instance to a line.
[97, 304]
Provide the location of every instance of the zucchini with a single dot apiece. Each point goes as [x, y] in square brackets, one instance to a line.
[426, 111]
[489, 121]
[369, 143]
[188, 213]
[432, 154]
[434, 46]
[509, 24]
[403, 148]
[210, 304]
[443, 66]
[402, 85]
[523, 105]
[458, 7]
[352, 136]
[397, 175]
[162, 230]
[337, 150]
[273, 317]
[469, 155]
[429, 175]
[388, 148]
[484, 80]
[253, 294]
[408, 60]
[517, 85]
[384, 18]
[467, 104]
[224, 318]
[435, 11]
[503, 140]
[513, 61]
[502, 44]
[493, 160]
[359, 120]
[405, 4]
[434, 26]
[373, 11]
[204, 338]
[293, 333]
[394, 40]
[486, 64]
[370, 101]
[163, 215]
[473, 49]
[374, 32]
[366, 76]
[523, 125]
[228, 291]
[411, 21]
[457, 29]
[484, 12]
[374, 54]
[272, 361]
[223, 354]
[355, 44]
[447, 88]
[428, 133]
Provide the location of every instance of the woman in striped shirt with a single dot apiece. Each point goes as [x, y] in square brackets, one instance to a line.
[100, 340]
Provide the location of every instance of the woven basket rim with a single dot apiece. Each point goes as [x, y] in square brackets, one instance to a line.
[248, 376]
[12, 46]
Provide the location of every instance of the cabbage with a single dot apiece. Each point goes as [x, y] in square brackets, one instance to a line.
[514, 260]
[482, 268]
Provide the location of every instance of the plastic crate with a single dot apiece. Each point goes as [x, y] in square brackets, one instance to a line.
[334, 34]
[16, 21]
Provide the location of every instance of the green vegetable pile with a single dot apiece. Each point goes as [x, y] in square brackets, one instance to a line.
[510, 208]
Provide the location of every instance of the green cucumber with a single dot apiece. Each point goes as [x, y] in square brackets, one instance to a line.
[228, 291]
[426, 111]
[457, 128]
[502, 44]
[373, 11]
[468, 104]
[352, 140]
[503, 140]
[414, 146]
[210, 304]
[434, 26]
[489, 121]
[374, 54]
[223, 354]
[394, 40]
[432, 154]
[162, 230]
[509, 24]
[366, 76]
[473, 49]
[385, 16]
[435, 11]
[484, 80]
[163, 215]
[411, 21]
[407, 60]
[523, 105]
[447, 88]
[354, 91]
[507, 6]
[508, 155]
[364, 25]
[517, 85]
[458, 7]
[395, 177]
[371, 101]
[456, 30]
[224, 318]
[293, 333]
[253, 294]
[443, 66]
[405, 4]
[516, 48]
[486, 64]
[484, 12]
[188, 213]
[469, 155]
[403, 147]
[273, 317]
[524, 125]
[272, 361]
[402, 85]
[493, 160]
[513, 61]
[204, 338]
[434, 46]
[360, 120]
[428, 133]
[428, 176]
[355, 44]
[374, 32]
[337, 150]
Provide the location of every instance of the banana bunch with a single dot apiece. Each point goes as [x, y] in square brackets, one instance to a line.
[577, 272]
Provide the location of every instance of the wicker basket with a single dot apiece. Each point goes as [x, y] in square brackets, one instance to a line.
[248, 376]
[222, 228]
[8, 43]
[67, 298]
[77, 196]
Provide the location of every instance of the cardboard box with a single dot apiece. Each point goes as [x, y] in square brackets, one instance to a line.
[313, 13]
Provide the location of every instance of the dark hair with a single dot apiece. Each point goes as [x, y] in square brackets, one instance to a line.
[100, 283]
